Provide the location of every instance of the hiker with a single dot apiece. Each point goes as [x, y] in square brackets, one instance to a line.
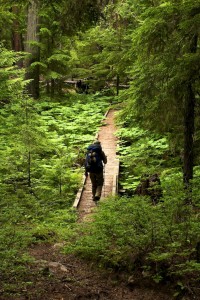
[95, 158]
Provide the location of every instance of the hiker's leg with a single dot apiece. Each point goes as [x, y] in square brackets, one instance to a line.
[100, 181]
[94, 183]
[98, 192]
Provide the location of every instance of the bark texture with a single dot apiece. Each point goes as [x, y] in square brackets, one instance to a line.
[32, 48]
[189, 123]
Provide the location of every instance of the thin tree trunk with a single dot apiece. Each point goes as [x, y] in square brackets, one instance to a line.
[189, 118]
[59, 86]
[32, 73]
[188, 135]
[52, 87]
[117, 84]
[47, 87]
[60, 185]
[29, 169]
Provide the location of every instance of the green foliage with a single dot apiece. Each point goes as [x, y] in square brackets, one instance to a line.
[6, 21]
[25, 222]
[142, 152]
[164, 62]
[45, 144]
[11, 78]
[101, 51]
[74, 15]
[41, 156]
[130, 234]
[42, 152]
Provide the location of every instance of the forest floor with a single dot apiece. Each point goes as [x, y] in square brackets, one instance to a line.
[65, 277]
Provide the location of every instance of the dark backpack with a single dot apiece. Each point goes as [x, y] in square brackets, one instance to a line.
[93, 160]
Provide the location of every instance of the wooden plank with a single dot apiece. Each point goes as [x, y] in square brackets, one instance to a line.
[79, 194]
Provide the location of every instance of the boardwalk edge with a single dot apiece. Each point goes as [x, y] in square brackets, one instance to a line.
[115, 180]
[79, 194]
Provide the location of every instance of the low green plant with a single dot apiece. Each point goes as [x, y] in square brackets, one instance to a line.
[141, 152]
[132, 234]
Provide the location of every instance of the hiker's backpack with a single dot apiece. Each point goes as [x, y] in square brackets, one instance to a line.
[93, 160]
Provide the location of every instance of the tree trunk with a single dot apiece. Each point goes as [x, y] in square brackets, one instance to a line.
[17, 44]
[47, 87]
[189, 118]
[32, 73]
[117, 84]
[29, 169]
[59, 86]
[52, 87]
[188, 135]
[60, 185]
[16, 36]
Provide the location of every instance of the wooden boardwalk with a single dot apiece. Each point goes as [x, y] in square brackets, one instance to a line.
[108, 140]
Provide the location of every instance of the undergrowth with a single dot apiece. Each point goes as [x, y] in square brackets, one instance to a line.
[42, 153]
[131, 235]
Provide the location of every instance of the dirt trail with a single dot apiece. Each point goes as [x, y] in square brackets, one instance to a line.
[66, 277]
